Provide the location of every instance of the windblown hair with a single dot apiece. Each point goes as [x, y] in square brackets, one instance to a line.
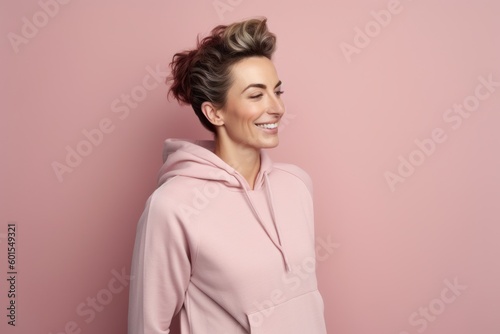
[204, 73]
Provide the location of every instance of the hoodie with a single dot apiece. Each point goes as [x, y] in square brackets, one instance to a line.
[229, 258]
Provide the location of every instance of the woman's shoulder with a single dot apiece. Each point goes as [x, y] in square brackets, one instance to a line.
[178, 183]
[294, 172]
[171, 207]
[176, 192]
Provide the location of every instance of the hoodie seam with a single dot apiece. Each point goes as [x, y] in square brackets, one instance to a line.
[196, 246]
[193, 252]
[285, 301]
[298, 177]
[308, 190]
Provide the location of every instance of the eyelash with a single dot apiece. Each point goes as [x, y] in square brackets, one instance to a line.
[257, 96]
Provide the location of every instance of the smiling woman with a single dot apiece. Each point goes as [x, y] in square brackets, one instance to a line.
[227, 228]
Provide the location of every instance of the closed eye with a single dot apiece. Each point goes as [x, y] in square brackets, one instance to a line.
[279, 93]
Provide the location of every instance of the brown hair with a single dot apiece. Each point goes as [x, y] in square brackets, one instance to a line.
[204, 73]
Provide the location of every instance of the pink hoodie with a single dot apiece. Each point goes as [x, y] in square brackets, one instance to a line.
[231, 259]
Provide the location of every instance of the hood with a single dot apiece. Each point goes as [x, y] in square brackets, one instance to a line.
[196, 159]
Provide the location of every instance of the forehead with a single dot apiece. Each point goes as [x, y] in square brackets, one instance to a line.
[254, 70]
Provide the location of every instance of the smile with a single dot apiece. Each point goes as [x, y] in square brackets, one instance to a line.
[268, 125]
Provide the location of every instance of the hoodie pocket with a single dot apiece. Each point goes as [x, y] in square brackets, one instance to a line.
[299, 315]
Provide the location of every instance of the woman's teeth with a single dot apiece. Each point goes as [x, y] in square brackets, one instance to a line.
[268, 125]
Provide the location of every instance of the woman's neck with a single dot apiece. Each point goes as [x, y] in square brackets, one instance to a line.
[246, 160]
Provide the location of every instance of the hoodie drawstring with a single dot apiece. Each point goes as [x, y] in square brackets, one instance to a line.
[275, 221]
[269, 197]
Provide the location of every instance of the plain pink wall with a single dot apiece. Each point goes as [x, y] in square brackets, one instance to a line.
[364, 82]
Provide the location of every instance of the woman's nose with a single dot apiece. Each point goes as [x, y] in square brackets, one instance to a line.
[276, 106]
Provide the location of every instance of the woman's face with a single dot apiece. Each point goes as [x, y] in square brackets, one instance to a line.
[253, 107]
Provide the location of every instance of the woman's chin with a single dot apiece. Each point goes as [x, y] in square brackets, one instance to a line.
[270, 143]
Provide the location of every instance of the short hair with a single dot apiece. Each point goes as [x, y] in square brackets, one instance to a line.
[204, 73]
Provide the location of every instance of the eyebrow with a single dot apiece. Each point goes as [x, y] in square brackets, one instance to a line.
[259, 85]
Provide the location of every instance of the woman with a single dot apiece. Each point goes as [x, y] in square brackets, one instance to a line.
[227, 238]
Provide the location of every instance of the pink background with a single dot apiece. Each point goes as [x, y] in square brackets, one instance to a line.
[350, 118]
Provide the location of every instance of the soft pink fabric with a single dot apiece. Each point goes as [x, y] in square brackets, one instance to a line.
[230, 259]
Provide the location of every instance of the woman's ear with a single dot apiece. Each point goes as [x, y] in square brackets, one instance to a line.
[213, 114]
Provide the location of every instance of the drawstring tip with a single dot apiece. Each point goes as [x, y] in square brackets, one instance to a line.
[288, 268]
